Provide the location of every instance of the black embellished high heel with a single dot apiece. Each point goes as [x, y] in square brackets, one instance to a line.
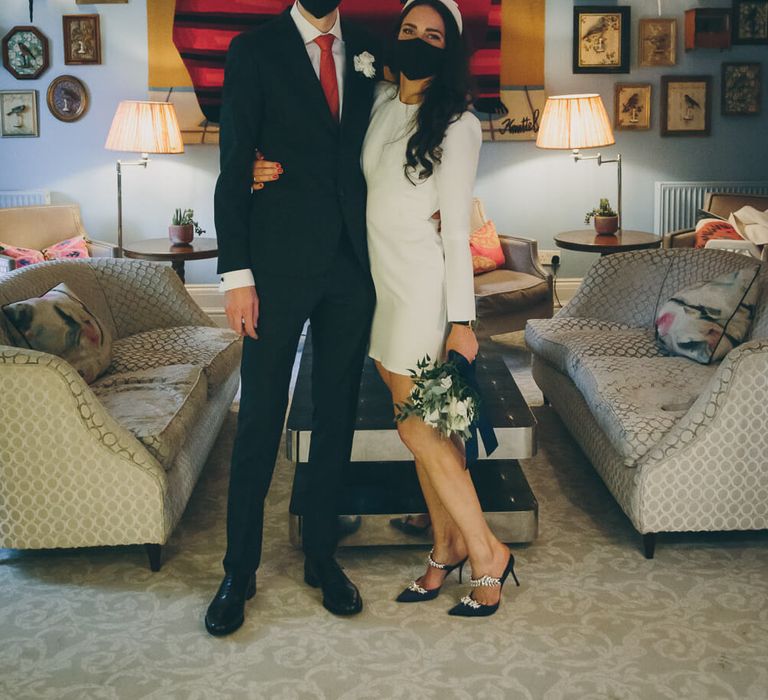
[416, 593]
[469, 607]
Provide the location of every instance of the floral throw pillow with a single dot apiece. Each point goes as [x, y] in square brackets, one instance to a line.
[76, 247]
[706, 321]
[60, 324]
[21, 256]
[487, 253]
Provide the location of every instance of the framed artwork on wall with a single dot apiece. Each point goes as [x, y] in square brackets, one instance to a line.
[741, 89]
[82, 39]
[102, 2]
[19, 113]
[750, 21]
[25, 52]
[657, 41]
[686, 105]
[601, 39]
[67, 98]
[632, 106]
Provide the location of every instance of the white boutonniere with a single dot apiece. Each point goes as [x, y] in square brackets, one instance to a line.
[364, 64]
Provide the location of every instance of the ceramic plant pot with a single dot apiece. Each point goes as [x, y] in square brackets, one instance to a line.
[606, 225]
[182, 235]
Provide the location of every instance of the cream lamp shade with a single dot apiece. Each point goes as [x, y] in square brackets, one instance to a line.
[574, 121]
[145, 127]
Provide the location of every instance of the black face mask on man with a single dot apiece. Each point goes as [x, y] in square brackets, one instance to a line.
[417, 59]
[320, 8]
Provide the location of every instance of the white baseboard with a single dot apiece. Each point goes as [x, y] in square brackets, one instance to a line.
[211, 300]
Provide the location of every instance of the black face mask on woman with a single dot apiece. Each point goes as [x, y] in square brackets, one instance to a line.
[417, 59]
[320, 8]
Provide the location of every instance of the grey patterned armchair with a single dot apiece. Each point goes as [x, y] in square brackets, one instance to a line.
[681, 446]
[114, 462]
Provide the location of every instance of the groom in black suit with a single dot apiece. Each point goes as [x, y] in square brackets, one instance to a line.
[301, 86]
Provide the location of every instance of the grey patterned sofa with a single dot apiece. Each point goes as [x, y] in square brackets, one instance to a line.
[681, 446]
[114, 462]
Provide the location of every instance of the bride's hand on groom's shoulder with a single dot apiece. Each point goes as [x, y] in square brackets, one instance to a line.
[463, 340]
[242, 309]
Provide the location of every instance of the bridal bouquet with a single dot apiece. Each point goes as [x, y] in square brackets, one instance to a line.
[442, 398]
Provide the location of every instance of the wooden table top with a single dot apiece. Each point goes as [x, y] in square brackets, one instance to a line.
[586, 240]
[161, 249]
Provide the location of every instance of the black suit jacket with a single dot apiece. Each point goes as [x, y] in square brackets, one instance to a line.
[273, 100]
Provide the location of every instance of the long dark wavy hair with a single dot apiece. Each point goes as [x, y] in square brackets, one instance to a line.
[446, 97]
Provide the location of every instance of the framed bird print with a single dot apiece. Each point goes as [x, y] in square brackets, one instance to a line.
[750, 21]
[686, 105]
[657, 41]
[19, 113]
[25, 53]
[82, 39]
[601, 39]
[67, 98]
[741, 89]
[632, 106]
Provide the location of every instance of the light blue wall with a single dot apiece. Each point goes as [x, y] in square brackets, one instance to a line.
[526, 191]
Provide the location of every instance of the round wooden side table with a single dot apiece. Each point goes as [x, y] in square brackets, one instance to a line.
[162, 250]
[587, 241]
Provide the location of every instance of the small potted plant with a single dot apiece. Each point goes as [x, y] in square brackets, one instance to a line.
[184, 227]
[606, 219]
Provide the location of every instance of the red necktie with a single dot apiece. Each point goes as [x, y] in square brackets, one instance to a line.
[328, 79]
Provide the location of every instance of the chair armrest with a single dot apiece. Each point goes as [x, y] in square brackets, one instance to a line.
[144, 296]
[102, 249]
[682, 238]
[522, 255]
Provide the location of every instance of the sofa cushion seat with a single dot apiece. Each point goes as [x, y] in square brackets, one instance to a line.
[500, 291]
[215, 350]
[159, 406]
[638, 400]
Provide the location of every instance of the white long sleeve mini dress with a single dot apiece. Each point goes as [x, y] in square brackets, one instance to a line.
[423, 277]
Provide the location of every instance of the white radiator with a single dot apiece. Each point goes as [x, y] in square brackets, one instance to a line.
[675, 203]
[23, 198]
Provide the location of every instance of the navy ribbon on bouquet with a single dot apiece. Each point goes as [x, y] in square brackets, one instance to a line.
[481, 423]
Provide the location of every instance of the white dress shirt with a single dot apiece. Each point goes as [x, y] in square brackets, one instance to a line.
[244, 278]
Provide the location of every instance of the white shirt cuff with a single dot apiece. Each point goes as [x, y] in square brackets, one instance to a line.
[236, 279]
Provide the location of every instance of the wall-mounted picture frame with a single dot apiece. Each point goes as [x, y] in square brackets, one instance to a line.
[686, 105]
[657, 41]
[25, 52]
[82, 40]
[601, 39]
[67, 98]
[19, 115]
[632, 106]
[741, 89]
[750, 21]
[102, 2]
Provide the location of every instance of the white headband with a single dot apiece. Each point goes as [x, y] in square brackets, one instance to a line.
[450, 5]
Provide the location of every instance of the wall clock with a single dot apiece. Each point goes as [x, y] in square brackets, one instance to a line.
[67, 98]
[25, 52]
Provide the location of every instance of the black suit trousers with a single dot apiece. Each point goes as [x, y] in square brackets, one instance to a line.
[339, 305]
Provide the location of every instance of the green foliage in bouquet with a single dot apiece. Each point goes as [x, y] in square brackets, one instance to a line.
[442, 398]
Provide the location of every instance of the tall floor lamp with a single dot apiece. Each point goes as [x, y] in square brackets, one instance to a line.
[141, 127]
[579, 121]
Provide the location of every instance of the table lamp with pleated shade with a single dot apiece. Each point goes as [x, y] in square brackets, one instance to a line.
[573, 122]
[141, 127]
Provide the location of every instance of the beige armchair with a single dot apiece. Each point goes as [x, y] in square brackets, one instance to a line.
[42, 226]
[507, 297]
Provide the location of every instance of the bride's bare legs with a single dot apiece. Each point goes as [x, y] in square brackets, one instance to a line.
[451, 498]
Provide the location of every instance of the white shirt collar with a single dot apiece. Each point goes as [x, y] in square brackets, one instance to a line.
[309, 32]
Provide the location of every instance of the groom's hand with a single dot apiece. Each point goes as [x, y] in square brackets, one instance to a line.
[242, 307]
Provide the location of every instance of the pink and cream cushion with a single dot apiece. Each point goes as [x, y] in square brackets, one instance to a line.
[60, 324]
[713, 230]
[21, 256]
[487, 253]
[76, 247]
[706, 321]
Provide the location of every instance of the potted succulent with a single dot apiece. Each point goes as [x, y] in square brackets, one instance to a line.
[606, 219]
[184, 227]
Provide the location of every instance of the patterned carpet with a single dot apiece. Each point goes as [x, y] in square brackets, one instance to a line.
[592, 620]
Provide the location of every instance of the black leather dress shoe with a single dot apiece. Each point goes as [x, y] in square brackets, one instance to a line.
[340, 595]
[226, 613]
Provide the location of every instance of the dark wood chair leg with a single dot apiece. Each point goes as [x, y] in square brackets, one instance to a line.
[649, 544]
[155, 554]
